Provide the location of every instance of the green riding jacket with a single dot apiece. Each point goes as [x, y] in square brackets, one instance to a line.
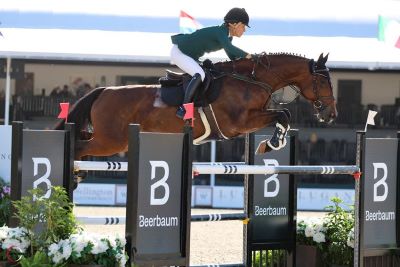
[208, 39]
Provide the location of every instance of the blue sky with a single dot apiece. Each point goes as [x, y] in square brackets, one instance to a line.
[259, 26]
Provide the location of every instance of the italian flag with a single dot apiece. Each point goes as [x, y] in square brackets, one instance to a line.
[187, 24]
[389, 31]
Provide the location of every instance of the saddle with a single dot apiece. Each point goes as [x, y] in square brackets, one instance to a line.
[174, 84]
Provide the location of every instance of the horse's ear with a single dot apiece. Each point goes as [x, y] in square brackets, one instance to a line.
[321, 57]
[325, 58]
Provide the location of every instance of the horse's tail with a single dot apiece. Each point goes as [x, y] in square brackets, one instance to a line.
[80, 111]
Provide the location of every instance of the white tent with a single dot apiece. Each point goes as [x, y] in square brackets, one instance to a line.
[95, 45]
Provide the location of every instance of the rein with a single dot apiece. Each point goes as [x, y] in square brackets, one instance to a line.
[318, 104]
[257, 59]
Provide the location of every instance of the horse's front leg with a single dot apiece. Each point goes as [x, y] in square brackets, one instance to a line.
[278, 139]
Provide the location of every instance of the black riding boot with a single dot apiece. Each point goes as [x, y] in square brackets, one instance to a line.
[191, 89]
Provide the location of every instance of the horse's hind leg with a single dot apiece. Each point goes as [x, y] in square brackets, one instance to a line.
[90, 147]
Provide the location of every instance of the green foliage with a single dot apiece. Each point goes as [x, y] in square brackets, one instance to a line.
[5, 202]
[48, 220]
[269, 258]
[339, 223]
[39, 259]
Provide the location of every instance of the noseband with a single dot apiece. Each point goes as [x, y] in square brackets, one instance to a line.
[318, 103]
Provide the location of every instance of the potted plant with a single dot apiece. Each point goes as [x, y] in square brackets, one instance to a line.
[328, 241]
[89, 250]
[339, 225]
[47, 220]
[310, 242]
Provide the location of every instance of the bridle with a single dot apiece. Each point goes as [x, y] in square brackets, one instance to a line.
[317, 103]
[258, 61]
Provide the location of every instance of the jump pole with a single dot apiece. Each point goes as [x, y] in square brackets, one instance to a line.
[229, 168]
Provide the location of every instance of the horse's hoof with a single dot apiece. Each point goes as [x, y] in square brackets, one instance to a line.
[79, 177]
[262, 148]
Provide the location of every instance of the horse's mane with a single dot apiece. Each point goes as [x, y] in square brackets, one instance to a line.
[261, 55]
[287, 54]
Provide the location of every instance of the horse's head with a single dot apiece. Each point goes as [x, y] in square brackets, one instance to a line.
[272, 72]
[318, 90]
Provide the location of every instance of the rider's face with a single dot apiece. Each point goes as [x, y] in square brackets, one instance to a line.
[237, 29]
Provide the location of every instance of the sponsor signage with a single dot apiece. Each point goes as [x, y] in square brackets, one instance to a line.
[158, 218]
[95, 194]
[157, 210]
[380, 183]
[5, 153]
[269, 213]
[42, 160]
[38, 161]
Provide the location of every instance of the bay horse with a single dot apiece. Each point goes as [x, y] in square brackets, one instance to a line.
[242, 105]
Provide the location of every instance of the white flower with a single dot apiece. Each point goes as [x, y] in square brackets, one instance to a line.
[319, 237]
[121, 241]
[57, 258]
[53, 249]
[3, 232]
[99, 247]
[66, 250]
[319, 227]
[113, 243]
[350, 243]
[309, 231]
[350, 238]
[121, 259]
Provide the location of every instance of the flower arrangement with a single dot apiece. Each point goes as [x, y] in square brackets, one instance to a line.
[89, 249]
[311, 232]
[46, 220]
[13, 242]
[333, 235]
[5, 203]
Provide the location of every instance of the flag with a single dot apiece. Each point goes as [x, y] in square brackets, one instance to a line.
[187, 24]
[189, 115]
[64, 111]
[389, 31]
[370, 119]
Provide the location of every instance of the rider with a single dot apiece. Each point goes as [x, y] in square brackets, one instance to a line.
[188, 48]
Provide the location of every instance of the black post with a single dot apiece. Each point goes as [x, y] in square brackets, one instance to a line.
[16, 167]
[294, 153]
[132, 198]
[69, 152]
[398, 192]
[187, 174]
[248, 199]
[359, 203]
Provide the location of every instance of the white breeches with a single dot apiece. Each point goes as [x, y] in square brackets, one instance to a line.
[186, 63]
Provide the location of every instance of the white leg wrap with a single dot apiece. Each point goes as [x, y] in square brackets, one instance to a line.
[281, 137]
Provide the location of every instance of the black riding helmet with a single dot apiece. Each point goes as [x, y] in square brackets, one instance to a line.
[236, 15]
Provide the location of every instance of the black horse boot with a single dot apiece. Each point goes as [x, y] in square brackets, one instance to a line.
[191, 89]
